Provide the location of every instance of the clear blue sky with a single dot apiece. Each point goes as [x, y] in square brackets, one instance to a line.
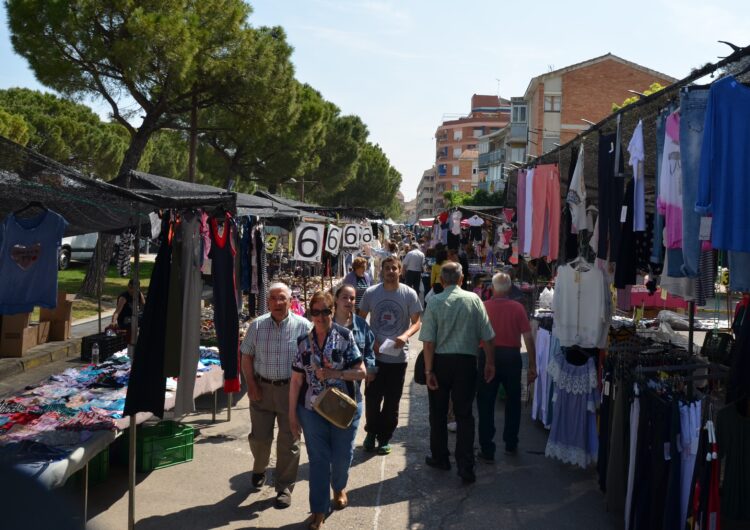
[401, 64]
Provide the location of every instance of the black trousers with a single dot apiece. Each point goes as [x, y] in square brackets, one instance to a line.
[413, 279]
[457, 381]
[382, 398]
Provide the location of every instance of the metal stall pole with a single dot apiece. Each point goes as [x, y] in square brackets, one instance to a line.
[133, 339]
[85, 494]
[691, 329]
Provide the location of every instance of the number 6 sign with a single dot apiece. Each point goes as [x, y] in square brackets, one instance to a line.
[333, 239]
[351, 236]
[308, 242]
[365, 234]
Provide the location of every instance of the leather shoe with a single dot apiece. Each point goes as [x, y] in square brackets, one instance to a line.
[316, 521]
[340, 500]
[467, 476]
[445, 465]
[258, 479]
[283, 499]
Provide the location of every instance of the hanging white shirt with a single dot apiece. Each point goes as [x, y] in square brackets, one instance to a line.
[637, 156]
[576, 198]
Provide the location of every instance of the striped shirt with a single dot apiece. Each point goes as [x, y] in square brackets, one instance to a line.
[456, 320]
[273, 345]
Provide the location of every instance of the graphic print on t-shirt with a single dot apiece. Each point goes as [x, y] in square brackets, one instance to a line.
[389, 315]
[25, 256]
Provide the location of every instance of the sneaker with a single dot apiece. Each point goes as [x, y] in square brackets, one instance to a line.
[369, 444]
[485, 457]
[452, 427]
[445, 465]
[384, 449]
[283, 499]
[258, 479]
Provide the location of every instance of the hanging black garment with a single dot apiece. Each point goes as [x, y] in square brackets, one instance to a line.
[625, 271]
[147, 382]
[173, 339]
[226, 319]
[261, 300]
[739, 376]
[124, 252]
[610, 199]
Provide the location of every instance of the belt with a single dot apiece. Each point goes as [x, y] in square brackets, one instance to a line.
[274, 382]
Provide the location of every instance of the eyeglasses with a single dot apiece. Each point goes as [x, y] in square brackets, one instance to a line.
[317, 312]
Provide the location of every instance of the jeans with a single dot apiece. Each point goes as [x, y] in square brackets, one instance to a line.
[457, 381]
[382, 398]
[330, 451]
[413, 279]
[508, 372]
[693, 101]
[739, 271]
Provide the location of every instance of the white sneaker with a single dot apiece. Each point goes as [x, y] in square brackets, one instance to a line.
[452, 427]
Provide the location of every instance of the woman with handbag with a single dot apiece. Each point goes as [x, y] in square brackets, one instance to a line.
[327, 404]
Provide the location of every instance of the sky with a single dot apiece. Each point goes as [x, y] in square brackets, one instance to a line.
[401, 65]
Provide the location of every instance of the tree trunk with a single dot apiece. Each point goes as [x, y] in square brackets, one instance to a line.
[272, 188]
[193, 140]
[96, 272]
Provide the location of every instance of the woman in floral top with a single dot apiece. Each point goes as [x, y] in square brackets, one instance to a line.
[326, 357]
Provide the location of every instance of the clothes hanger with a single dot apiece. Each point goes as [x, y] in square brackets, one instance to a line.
[32, 204]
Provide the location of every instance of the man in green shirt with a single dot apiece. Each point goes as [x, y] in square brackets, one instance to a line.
[453, 325]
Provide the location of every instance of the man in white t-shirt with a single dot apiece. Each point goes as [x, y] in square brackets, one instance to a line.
[413, 264]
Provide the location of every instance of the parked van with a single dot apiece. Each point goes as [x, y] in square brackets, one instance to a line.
[79, 248]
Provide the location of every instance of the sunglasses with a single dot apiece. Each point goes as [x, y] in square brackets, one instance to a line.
[317, 312]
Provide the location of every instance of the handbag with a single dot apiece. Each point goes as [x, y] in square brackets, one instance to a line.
[419, 376]
[333, 404]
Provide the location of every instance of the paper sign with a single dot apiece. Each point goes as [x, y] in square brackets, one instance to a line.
[333, 239]
[664, 294]
[308, 242]
[351, 236]
[365, 234]
[704, 232]
[389, 348]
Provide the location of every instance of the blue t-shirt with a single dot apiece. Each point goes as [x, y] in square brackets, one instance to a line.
[28, 262]
[724, 185]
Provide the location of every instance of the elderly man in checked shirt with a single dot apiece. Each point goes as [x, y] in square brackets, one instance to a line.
[267, 354]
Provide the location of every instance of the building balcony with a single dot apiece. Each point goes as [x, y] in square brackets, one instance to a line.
[442, 137]
[493, 157]
[518, 132]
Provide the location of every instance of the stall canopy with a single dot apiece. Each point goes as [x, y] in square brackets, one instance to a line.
[323, 212]
[88, 204]
[307, 211]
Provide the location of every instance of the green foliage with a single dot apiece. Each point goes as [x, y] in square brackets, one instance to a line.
[166, 155]
[654, 87]
[165, 56]
[455, 198]
[14, 127]
[485, 198]
[67, 132]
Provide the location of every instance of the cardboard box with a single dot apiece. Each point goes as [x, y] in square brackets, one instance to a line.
[15, 323]
[42, 332]
[59, 330]
[63, 310]
[15, 343]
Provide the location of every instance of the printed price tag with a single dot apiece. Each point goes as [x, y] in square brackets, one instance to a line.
[606, 388]
[664, 294]
[704, 232]
[351, 236]
[333, 239]
[623, 214]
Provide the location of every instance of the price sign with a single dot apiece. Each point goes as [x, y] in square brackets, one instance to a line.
[271, 241]
[308, 242]
[365, 234]
[333, 239]
[351, 236]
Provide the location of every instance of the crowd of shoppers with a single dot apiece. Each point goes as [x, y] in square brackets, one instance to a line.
[470, 348]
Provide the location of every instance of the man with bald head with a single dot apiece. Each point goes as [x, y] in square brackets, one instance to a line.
[267, 354]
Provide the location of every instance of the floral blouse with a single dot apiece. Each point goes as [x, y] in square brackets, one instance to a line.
[339, 352]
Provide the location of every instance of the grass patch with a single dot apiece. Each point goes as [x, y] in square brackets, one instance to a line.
[70, 281]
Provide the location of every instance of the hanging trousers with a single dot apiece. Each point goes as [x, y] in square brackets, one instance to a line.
[545, 237]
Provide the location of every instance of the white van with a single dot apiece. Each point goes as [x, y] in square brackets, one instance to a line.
[79, 248]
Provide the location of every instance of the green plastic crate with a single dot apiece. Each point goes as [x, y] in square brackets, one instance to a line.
[162, 445]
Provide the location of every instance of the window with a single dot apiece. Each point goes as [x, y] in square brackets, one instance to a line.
[456, 170]
[519, 113]
[478, 131]
[473, 146]
[552, 103]
[455, 187]
[458, 134]
[518, 154]
[473, 171]
[456, 152]
[442, 169]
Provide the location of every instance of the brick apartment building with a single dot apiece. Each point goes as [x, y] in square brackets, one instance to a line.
[456, 146]
[559, 100]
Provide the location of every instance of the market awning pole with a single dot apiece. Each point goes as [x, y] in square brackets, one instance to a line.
[133, 340]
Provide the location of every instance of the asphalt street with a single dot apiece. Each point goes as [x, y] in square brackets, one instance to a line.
[397, 491]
